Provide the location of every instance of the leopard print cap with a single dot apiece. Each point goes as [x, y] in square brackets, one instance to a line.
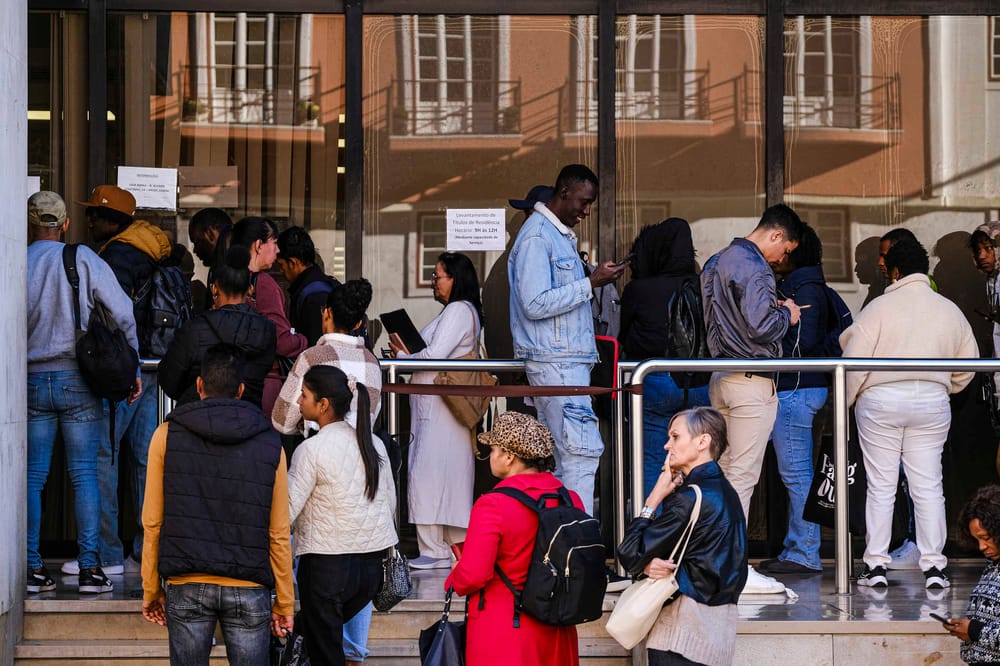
[521, 435]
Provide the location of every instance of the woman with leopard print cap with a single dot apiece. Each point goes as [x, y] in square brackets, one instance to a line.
[502, 534]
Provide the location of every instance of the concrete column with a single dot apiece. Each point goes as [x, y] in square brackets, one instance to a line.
[13, 228]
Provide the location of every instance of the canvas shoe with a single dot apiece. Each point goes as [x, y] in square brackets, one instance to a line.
[936, 578]
[907, 556]
[873, 577]
[93, 581]
[72, 568]
[758, 583]
[132, 566]
[39, 580]
[617, 583]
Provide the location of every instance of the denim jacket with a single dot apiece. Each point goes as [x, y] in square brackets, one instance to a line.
[550, 316]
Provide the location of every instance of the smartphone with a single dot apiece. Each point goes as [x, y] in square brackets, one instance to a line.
[942, 620]
[629, 257]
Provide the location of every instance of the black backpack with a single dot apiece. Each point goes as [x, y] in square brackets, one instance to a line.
[107, 361]
[567, 577]
[686, 333]
[165, 301]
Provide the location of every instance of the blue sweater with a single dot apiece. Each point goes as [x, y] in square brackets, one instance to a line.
[51, 330]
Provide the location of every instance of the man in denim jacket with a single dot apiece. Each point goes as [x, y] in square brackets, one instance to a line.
[552, 325]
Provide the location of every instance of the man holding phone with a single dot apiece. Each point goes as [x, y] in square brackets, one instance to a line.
[552, 325]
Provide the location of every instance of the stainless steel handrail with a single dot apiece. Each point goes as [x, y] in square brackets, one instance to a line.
[839, 367]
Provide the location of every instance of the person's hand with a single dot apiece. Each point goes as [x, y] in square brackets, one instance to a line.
[136, 391]
[281, 625]
[658, 568]
[606, 273]
[958, 627]
[396, 345]
[794, 309]
[153, 611]
[665, 484]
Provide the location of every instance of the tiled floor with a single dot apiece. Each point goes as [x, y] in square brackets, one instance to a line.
[905, 600]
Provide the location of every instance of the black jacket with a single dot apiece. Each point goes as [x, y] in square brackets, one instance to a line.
[664, 260]
[305, 309]
[218, 484]
[805, 286]
[237, 325]
[714, 569]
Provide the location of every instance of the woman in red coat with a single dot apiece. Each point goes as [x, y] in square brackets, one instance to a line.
[502, 533]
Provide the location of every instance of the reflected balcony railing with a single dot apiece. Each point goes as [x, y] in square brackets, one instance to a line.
[838, 101]
[441, 107]
[251, 95]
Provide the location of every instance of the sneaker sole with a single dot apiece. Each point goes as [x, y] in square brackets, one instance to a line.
[96, 589]
[619, 586]
[35, 589]
[427, 567]
[874, 582]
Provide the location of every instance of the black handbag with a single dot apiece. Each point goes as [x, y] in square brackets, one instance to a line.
[291, 652]
[443, 643]
[395, 581]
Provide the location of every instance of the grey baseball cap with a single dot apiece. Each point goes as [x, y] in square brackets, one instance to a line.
[46, 209]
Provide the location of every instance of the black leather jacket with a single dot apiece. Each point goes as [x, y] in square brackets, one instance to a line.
[714, 569]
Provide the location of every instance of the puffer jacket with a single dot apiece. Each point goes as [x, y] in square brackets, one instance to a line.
[741, 305]
[714, 569]
[664, 259]
[237, 325]
[805, 286]
[328, 508]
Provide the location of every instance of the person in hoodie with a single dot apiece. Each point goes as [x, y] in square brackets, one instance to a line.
[232, 321]
[664, 259]
[133, 248]
[217, 522]
[800, 396]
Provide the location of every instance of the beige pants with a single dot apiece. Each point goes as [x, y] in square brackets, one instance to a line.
[749, 405]
[436, 540]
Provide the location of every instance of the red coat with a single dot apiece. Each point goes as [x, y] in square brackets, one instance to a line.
[502, 531]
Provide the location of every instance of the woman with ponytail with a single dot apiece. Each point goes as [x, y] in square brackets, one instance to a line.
[342, 504]
[230, 321]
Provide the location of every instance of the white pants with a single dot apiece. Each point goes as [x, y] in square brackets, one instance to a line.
[905, 421]
[436, 540]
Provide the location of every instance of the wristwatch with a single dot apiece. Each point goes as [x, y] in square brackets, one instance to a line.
[647, 512]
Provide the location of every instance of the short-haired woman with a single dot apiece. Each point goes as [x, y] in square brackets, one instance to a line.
[699, 625]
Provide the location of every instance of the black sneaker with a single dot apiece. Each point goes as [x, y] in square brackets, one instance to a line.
[617, 583]
[40, 581]
[873, 577]
[93, 581]
[936, 578]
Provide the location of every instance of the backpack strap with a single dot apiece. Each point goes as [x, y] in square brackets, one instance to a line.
[69, 266]
[562, 495]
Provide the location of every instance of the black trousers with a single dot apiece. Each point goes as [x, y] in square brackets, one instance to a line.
[661, 658]
[332, 590]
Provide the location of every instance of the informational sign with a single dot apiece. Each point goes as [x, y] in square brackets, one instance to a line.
[152, 188]
[476, 228]
[34, 184]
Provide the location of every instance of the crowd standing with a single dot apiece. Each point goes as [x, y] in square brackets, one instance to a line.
[252, 365]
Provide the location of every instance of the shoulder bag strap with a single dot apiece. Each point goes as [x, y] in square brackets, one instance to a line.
[69, 266]
[689, 530]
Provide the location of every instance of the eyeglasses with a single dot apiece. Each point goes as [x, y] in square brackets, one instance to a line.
[435, 276]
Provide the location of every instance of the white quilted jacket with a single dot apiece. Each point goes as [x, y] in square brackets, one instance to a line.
[326, 490]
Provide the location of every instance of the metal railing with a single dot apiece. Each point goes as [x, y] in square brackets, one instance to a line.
[439, 107]
[839, 368]
[252, 94]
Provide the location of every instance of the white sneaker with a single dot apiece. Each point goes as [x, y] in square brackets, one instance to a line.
[758, 583]
[907, 556]
[132, 566]
[424, 562]
[72, 568]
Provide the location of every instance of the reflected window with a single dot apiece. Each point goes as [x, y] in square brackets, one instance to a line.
[828, 77]
[431, 242]
[831, 226]
[455, 70]
[248, 70]
[994, 48]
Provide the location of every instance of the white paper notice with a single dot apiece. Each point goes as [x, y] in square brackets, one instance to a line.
[476, 228]
[151, 187]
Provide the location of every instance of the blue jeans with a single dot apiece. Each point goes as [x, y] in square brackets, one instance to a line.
[356, 635]
[793, 447]
[193, 611]
[62, 401]
[573, 425]
[134, 427]
[661, 399]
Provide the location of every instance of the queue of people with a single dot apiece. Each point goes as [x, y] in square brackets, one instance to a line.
[241, 374]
